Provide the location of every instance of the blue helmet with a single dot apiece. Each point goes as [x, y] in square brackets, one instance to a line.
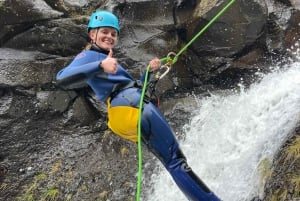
[103, 19]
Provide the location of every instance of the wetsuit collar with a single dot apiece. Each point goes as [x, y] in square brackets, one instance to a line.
[99, 49]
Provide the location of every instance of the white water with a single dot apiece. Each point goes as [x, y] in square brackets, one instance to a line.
[231, 134]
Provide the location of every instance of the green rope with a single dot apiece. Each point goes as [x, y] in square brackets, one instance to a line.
[140, 161]
[170, 61]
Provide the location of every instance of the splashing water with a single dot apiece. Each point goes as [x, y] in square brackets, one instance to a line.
[230, 135]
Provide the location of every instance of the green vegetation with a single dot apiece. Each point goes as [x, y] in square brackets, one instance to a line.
[279, 194]
[296, 182]
[286, 181]
[293, 151]
[3, 186]
[264, 168]
[30, 191]
[45, 186]
[50, 195]
[265, 172]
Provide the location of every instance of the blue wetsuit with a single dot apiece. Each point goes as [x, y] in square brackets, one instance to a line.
[156, 132]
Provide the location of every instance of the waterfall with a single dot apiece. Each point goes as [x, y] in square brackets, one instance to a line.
[229, 135]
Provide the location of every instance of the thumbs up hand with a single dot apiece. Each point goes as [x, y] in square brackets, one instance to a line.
[110, 54]
[109, 64]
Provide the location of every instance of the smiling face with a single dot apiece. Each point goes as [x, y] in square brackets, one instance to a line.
[105, 37]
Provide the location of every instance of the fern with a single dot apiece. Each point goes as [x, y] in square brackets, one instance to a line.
[293, 151]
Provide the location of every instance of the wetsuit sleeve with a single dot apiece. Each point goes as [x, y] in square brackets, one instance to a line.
[76, 76]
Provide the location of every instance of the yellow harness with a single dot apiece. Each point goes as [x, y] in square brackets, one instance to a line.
[123, 120]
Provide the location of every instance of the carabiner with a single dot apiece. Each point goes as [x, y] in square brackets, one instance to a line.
[160, 76]
[171, 60]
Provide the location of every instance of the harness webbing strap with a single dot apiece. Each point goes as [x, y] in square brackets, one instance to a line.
[120, 87]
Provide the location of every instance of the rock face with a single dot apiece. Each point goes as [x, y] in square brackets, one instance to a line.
[55, 144]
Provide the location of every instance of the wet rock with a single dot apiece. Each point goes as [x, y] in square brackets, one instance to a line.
[292, 34]
[148, 36]
[60, 37]
[293, 3]
[84, 112]
[256, 199]
[239, 27]
[25, 11]
[27, 68]
[3, 172]
[55, 100]
[231, 36]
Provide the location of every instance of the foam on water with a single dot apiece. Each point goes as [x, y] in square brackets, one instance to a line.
[231, 134]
